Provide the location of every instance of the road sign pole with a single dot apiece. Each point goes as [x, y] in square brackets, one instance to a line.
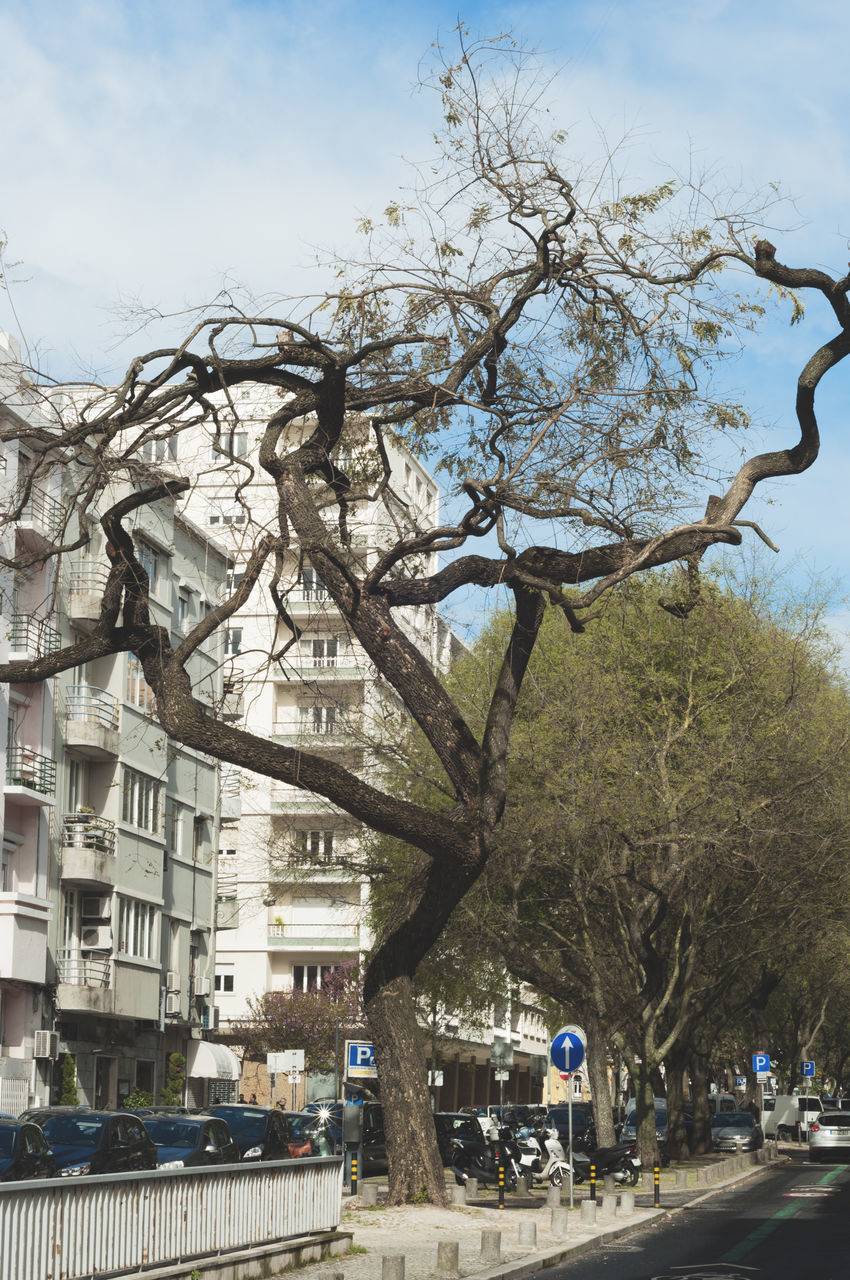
[570, 1125]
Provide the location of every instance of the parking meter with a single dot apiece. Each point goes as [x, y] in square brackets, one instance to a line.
[352, 1141]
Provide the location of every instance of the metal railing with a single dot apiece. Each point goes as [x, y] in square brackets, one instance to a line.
[95, 706]
[122, 1224]
[27, 768]
[88, 831]
[87, 575]
[42, 510]
[321, 929]
[78, 968]
[33, 635]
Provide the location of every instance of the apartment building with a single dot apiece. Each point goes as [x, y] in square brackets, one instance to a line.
[109, 827]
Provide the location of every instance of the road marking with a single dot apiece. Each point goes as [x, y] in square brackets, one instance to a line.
[767, 1228]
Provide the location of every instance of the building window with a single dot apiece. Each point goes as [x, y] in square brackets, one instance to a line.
[232, 444]
[183, 609]
[307, 977]
[227, 853]
[233, 640]
[137, 928]
[137, 690]
[141, 800]
[174, 827]
[159, 450]
[234, 579]
[318, 719]
[316, 845]
[226, 513]
[312, 586]
[224, 983]
[321, 651]
[145, 1074]
[151, 561]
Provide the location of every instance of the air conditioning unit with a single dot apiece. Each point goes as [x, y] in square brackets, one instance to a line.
[209, 1020]
[96, 908]
[202, 986]
[96, 937]
[172, 1003]
[172, 980]
[46, 1044]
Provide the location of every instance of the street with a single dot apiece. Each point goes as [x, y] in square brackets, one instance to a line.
[790, 1222]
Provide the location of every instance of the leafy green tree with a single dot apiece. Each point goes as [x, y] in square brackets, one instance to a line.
[68, 1095]
[171, 1093]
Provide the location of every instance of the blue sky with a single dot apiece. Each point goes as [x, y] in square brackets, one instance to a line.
[153, 151]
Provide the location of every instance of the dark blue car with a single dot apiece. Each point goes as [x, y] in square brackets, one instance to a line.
[24, 1152]
[261, 1133]
[185, 1141]
[98, 1142]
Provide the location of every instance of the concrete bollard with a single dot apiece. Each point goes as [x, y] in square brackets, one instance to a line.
[608, 1207]
[368, 1194]
[392, 1266]
[522, 1184]
[330, 1275]
[588, 1212]
[553, 1197]
[448, 1257]
[681, 1178]
[609, 1184]
[528, 1234]
[559, 1222]
[471, 1189]
[459, 1194]
[491, 1245]
[647, 1180]
[626, 1207]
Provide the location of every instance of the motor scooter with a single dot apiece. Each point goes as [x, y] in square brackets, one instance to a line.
[484, 1164]
[542, 1156]
[621, 1162]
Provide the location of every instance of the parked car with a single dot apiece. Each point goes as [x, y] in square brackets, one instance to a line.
[183, 1141]
[628, 1132]
[326, 1127]
[736, 1131]
[302, 1142]
[261, 1133]
[324, 1124]
[24, 1152]
[156, 1110]
[457, 1127]
[584, 1128]
[829, 1135]
[98, 1142]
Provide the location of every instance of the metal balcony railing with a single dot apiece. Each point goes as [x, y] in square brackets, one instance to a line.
[27, 768]
[87, 575]
[94, 705]
[42, 510]
[80, 969]
[88, 831]
[33, 635]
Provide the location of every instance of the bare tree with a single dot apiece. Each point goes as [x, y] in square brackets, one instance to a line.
[548, 336]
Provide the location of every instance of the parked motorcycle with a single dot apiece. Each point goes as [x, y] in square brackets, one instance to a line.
[621, 1162]
[484, 1164]
[542, 1156]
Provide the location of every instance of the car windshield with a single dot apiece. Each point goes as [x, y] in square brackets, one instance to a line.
[732, 1120]
[561, 1115]
[72, 1131]
[245, 1121]
[167, 1132]
[459, 1124]
[7, 1142]
[834, 1120]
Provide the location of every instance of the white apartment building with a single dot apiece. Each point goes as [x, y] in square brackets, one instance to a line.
[109, 828]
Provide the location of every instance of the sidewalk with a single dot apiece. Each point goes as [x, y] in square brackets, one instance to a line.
[412, 1233]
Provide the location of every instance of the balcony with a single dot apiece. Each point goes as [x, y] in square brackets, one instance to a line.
[318, 935]
[86, 981]
[23, 937]
[88, 850]
[30, 777]
[40, 522]
[91, 722]
[32, 637]
[231, 794]
[85, 592]
[233, 700]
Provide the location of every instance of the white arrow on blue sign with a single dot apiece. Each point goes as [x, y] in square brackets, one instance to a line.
[761, 1063]
[567, 1050]
[807, 1068]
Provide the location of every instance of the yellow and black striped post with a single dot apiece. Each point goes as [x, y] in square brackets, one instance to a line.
[656, 1179]
[354, 1174]
[592, 1180]
[501, 1184]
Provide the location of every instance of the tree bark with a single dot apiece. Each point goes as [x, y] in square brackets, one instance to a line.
[702, 1115]
[415, 1169]
[677, 1135]
[597, 1074]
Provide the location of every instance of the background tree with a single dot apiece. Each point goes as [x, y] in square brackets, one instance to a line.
[171, 1092]
[547, 334]
[317, 1020]
[68, 1095]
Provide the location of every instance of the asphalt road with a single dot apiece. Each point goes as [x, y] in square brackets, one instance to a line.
[787, 1224]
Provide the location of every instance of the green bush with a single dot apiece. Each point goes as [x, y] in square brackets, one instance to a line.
[68, 1096]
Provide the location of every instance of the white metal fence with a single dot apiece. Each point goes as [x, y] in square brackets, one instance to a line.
[77, 1228]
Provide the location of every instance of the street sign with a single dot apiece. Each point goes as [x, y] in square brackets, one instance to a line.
[565, 1075]
[761, 1063]
[576, 1031]
[807, 1069]
[567, 1049]
[740, 1082]
[502, 1075]
[287, 1060]
[360, 1060]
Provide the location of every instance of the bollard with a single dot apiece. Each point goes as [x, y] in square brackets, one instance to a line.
[368, 1194]
[501, 1185]
[448, 1257]
[330, 1275]
[491, 1245]
[646, 1180]
[392, 1266]
[626, 1207]
[608, 1207]
[471, 1189]
[592, 1180]
[553, 1196]
[609, 1184]
[528, 1234]
[588, 1212]
[522, 1184]
[656, 1179]
[354, 1174]
[559, 1221]
[459, 1194]
[681, 1177]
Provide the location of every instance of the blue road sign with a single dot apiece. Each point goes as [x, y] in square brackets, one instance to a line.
[566, 1051]
[360, 1060]
[761, 1063]
[740, 1082]
[807, 1068]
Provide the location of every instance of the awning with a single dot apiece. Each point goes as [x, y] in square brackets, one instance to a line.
[212, 1061]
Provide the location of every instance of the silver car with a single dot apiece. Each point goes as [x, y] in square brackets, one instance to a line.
[829, 1135]
[736, 1131]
